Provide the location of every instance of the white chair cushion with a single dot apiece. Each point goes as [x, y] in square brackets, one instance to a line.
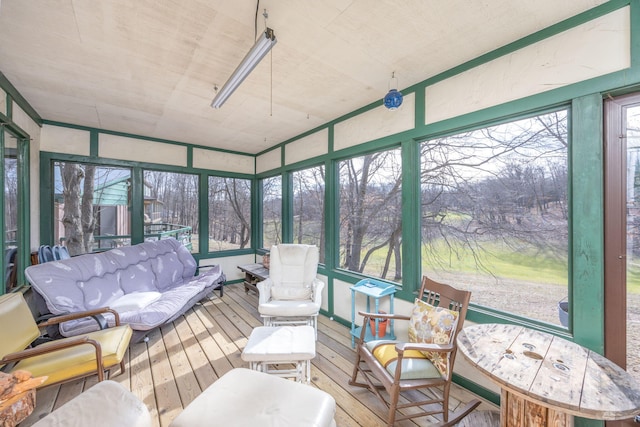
[290, 293]
[293, 264]
[288, 308]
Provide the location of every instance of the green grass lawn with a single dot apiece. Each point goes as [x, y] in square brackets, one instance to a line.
[523, 264]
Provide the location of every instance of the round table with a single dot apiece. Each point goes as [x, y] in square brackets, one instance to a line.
[545, 379]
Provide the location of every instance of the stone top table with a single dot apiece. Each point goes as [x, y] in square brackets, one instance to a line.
[546, 380]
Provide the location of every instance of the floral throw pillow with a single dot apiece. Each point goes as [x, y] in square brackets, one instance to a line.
[433, 325]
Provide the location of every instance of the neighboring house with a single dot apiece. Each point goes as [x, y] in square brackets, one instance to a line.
[111, 204]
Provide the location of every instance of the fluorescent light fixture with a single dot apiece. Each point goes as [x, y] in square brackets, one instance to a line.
[255, 55]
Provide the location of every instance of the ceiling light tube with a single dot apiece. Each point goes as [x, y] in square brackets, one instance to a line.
[255, 55]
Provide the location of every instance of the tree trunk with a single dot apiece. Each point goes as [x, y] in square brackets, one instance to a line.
[88, 216]
[72, 174]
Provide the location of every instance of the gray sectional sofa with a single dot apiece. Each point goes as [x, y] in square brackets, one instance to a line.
[148, 284]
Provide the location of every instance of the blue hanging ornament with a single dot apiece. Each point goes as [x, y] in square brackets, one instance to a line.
[393, 99]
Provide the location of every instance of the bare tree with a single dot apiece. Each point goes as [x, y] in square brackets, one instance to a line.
[370, 214]
[88, 216]
[308, 201]
[72, 175]
[239, 196]
[505, 183]
[272, 210]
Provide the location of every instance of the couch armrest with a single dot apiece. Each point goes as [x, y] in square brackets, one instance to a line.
[54, 346]
[89, 313]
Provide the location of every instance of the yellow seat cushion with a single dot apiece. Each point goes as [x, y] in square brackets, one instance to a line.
[79, 360]
[415, 365]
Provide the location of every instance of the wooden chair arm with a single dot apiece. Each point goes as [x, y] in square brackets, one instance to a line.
[435, 348]
[89, 313]
[52, 347]
[368, 316]
[384, 316]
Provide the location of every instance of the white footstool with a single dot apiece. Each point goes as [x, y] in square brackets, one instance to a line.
[245, 398]
[106, 404]
[270, 345]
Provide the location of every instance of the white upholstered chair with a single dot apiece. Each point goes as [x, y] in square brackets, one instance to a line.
[292, 294]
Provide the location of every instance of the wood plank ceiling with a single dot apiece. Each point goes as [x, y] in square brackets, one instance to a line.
[148, 67]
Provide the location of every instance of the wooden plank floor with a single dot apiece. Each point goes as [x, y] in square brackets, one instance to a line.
[180, 360]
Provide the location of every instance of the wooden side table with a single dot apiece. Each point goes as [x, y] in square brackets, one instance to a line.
[253, 273]
[372, 289]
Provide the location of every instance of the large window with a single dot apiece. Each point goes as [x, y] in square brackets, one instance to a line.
[271, 211]
[171, 207]
[10, 212]
[229, 213]
[370, 214]
[308, 207]
[494, 214]
[91, 207]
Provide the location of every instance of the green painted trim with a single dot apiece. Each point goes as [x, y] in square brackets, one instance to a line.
[635, 35]
[203, 213]
[13, 94]
[331, 231]
[94, 144]
[3, 264]
[9, 105]
[587, 222]
[287, 206]
[481, 314]
[24, 209]
[257, 213]
[46, 200]
[411, 215]
[144, 138]
[23, 235]
[12, 127]
[528, 105]
[131, 164]
[190, 156]
[137, 205]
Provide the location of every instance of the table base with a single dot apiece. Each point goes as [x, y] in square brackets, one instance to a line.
[17, 408]
[516, 411]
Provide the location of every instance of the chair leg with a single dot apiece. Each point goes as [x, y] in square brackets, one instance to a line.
[314, 321]
[394, 394]
[445, 403]
[354, 375]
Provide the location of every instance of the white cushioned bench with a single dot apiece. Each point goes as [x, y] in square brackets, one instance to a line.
[243, 397]
[239, 398]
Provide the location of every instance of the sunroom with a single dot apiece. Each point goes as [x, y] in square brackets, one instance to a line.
[509, 169]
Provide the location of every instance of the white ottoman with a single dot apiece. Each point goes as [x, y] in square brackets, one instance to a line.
[270, 345]
[245, 398]
[106, 404]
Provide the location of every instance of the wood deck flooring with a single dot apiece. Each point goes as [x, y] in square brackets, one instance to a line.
[181, 359]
